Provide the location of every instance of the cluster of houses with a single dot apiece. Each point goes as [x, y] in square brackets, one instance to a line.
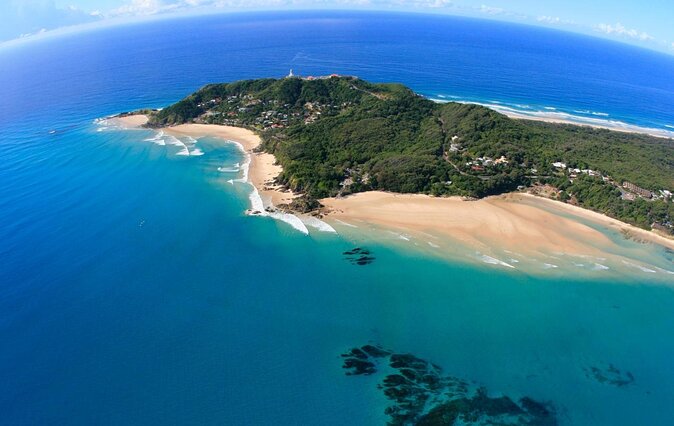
[574, 172]
[274, 116]
[210, 103]
[274, 119]
[238, 110]
[629, 190]
[480, 163]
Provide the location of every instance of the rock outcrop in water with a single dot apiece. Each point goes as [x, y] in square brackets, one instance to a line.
[359, 256]
[421, 395]
[610, 375]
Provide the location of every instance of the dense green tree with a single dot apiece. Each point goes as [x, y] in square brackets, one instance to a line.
[345, 135]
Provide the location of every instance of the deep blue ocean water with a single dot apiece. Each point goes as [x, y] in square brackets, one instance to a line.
[134, 290]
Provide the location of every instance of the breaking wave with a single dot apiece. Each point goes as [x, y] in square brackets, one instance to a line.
[493, 261]
[316, 223]
[578, 116]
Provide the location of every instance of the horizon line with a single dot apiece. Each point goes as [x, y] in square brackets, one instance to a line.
[137, 20]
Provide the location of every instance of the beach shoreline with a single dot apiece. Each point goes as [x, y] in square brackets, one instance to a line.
[521, 222]
[556, 117]
[262, 169]
[510, 222]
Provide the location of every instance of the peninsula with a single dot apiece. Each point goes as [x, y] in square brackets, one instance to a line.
[336, 136]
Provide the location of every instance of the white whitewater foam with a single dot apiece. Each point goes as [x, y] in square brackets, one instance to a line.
[316, 223]
[595, 113]
[196, 152]
[599, 119]
[256, 203]
[666, 271]
[494, 261]
[246, 163]
[433, 245]
[158, 138]
[549, 266]
[172, 140]
[229, 170]
[403, 237]
[600, 267]
[102, 123]
[641, 268]
[158, 135]
[291, 220]
[346, 224]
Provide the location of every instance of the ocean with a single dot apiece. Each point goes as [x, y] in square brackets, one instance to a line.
[135, 290]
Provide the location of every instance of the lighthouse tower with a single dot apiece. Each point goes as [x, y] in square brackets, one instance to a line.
[290, 74]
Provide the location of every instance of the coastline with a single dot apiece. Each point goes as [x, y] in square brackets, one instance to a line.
[558, 117]
[510, 221]
[262, 169]
[615, 224]
[517, 222]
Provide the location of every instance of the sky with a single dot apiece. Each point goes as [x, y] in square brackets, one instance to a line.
[646, 23]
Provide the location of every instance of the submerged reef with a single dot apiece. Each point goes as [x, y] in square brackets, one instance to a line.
[610, 375]
[359, 256]
[421, 395]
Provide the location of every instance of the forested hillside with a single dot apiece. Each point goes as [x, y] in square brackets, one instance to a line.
[339, 135]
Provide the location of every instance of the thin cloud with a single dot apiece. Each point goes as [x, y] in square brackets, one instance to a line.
[32, 17]
[553, 20]
[153, 7]
[489, 10]
[622, 31]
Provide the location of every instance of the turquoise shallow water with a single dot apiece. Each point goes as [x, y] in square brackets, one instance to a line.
[136, 291]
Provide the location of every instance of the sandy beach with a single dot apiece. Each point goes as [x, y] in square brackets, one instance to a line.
[564, 118]
[512, 222]
[263, 168]
[625, 228]
[519, 222]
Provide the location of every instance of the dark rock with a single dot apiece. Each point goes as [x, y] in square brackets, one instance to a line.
[535, 408]
[359, 256]
[418, 382]
[610, 375]
[409, 374]
[432, 381]
[364, 260]
[376, 351]
[356, 353]
[358, 367]
[395, 380]
[408, 361]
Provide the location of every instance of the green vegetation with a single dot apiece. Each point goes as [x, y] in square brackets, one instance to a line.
[342, 135]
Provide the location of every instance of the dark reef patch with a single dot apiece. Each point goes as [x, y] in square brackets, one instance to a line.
[421, 395]
[359, 256]
[610, 375]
